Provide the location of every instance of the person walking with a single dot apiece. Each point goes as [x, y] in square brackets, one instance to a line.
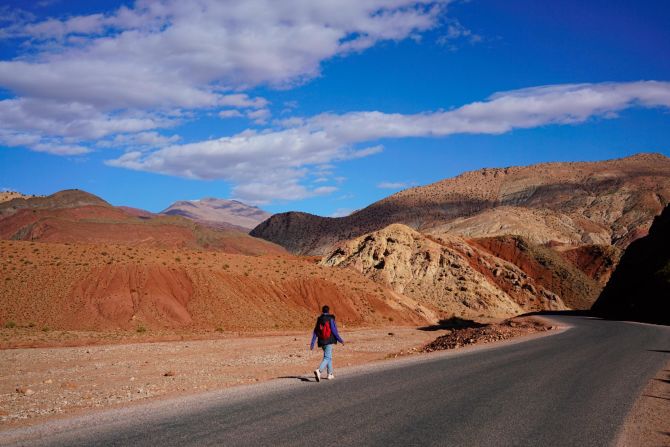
[325, 331]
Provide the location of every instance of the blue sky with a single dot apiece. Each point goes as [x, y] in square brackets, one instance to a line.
[322, 107]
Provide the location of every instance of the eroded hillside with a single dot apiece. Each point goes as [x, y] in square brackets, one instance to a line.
[92, 287]
[607, 202]
[451, 275]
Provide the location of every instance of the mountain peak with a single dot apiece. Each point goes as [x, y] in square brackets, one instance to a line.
[219, 212]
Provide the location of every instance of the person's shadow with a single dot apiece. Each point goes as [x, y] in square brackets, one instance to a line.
[301, 378]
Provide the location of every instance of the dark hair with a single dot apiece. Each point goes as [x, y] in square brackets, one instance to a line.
[325, 309]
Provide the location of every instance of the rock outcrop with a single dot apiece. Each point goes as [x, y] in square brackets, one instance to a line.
[639, 288]
[449, 275]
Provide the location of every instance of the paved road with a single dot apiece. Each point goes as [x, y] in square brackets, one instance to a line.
[570, 389]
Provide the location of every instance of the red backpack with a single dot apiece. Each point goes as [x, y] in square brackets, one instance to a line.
[323, 330]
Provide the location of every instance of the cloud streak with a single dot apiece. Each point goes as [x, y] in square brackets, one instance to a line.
[133, 69]
[392, 185]
[270, 165]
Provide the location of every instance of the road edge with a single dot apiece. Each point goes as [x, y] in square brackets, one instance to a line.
[647, 422]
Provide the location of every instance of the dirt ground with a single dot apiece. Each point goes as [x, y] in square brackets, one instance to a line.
[648, 423]
[44, 382]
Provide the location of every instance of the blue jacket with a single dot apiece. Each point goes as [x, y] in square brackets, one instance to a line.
[333, 327]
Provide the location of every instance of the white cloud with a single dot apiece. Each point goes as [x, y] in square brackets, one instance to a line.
[138, 140]
[392, 185]
[259, 116]
[283, 157]
[129, 70]
[123, 77]
[242, 100]
[455, 34]
[60, 149]
[230, 113]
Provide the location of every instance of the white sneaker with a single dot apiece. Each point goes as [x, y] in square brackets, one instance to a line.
[330, 377]
[317, 374]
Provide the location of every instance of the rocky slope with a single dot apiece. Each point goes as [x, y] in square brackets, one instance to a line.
[94, 287]
[547, 268]
[447, 274]
[639, 288]
[607, 202]
[596, 261]
[219, 213]
[75, 216]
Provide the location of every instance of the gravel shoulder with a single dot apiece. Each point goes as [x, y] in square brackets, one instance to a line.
[648, 423]
[41, 383]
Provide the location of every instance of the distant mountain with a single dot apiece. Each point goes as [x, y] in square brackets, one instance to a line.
[219, 212]
[639, 288]
[69, 198]
[75, 216]
[606, 203]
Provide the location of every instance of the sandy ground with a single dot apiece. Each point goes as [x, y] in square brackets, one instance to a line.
[648, 424]
[41, 383]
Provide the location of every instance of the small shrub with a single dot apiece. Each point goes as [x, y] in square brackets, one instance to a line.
[46, 329]
[219, 329]
[141, 329]
[10, 325]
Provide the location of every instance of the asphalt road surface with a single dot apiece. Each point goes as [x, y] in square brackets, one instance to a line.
[570, 389]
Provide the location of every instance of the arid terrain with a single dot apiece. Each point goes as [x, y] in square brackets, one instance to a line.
[102, 305]
[91, 287]
[41, 382]
[494, 242]
[72, 261]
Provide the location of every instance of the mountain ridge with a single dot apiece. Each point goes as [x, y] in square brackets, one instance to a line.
[615, 200]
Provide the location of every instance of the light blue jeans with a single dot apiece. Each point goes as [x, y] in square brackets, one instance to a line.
[327, 359]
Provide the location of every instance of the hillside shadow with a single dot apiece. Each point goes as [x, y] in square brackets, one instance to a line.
[663, 351]
[452, 323]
